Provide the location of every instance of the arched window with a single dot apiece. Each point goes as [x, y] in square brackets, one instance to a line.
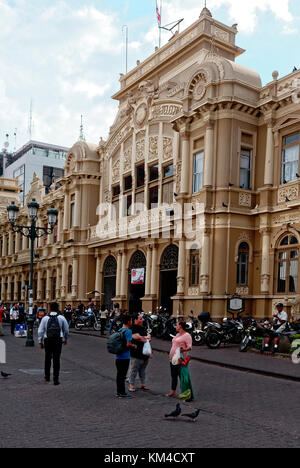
[242, 265]
[287, 264]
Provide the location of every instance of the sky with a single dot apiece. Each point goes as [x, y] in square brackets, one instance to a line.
[63, 58]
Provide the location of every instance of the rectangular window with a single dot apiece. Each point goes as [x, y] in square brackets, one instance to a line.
[128, 183]
[198, 171]
[168, 193]
[169, 171]
[153, 197]
[128, 205]
[153, 173]
[140, 176]
[245, 168]
[290, 158]
[116, 190]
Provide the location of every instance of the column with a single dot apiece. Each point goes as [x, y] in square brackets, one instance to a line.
[124, 276]
[75, 277]
[3, 298]
[9, 283]
[4, 246]
[10, 243]
[265, 260]
[63, 278]
[269, 162]
[154, 272]
[66, 212]
[77, 209]
[204, 271]
[181, 267]
[98, 283]
[16, 288]
[48, 285]
[58, 282]
[119, 270]
[185, 169]
[39, 285]
[148, 271]
[59, 226]
[208, 155]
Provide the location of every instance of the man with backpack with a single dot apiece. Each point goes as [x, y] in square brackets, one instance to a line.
[120, 344]
[53, 332]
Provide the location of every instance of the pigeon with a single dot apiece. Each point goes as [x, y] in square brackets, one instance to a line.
[4, 375]
[193, 415]
[224, 205]
[174, 414]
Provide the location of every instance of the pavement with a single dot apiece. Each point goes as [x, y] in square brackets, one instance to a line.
[238, 409]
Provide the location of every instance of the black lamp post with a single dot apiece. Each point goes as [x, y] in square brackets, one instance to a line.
[32, 232]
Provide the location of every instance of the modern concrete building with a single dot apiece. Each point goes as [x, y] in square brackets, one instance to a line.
[46, 160]
[197, 133]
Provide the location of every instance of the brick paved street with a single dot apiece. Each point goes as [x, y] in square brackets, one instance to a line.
[238, 409]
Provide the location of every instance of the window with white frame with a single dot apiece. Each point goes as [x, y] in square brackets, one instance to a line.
[290, 158]
[198, 171]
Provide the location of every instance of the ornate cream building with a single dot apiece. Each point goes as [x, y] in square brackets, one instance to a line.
[196, 129]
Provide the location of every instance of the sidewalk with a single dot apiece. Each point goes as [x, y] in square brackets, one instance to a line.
[229, 356]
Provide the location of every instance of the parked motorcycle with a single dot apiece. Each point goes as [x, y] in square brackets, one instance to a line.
[198, 335]
[252, 332]
[88, 321]
[231, 331]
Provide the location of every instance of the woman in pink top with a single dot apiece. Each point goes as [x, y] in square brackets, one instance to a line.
[182, 340]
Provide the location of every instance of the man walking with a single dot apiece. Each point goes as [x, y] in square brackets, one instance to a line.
[53, 332]
[2, 317]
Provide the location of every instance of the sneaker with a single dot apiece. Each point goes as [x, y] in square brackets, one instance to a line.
[56, 382]
[125, 395]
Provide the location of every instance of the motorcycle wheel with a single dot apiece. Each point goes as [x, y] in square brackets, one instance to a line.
[213, 340]
[78, 326]
[198, 339]
[97, 326]
[244, 346]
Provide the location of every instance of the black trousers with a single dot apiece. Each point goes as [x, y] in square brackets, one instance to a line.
[103, 325]
[175, 374]
[122, 369]
[53, 348]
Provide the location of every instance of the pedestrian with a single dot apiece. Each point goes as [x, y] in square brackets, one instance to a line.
[2, 317]
[53, 332]
[14, 317]
[103, 318]
[139, 361]
[123, 358]
[68, 313]
[181, 345]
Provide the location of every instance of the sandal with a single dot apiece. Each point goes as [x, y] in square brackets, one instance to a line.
[144, 388]
[132, 390]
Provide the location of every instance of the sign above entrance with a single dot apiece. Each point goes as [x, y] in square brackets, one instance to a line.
[138, 276]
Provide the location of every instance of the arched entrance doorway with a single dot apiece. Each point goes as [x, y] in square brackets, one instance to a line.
[109, 281]
[168, 276]
[137, 275]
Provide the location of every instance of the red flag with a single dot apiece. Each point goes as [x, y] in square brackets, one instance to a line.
[158, 14]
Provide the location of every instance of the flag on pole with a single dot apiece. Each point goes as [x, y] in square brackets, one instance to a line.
[158, 14]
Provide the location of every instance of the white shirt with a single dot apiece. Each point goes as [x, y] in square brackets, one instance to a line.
[282, 316]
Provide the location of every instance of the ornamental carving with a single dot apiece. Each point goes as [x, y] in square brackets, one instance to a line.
[178, 175]
[153, 148]
[116, 172]
[141, 115]
[292, 193]
[140, 150]
[242, 291]
[193, 291]
[167, 148]
[198, 86]
[127, 160]
[169, 260]
[245, 199]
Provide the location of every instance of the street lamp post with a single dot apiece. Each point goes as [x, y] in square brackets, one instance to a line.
[32, 232]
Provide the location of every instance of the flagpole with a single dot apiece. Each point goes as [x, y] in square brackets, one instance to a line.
[160, 24]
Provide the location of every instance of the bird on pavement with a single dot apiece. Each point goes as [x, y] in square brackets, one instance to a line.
[4, 375]
[193, 415]
[175, 413]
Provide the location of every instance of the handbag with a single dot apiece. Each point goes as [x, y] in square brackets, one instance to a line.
[147, 351]
[176, 357]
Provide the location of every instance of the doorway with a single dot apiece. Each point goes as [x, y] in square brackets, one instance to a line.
[136, 291]
[109, 281]
[168, 277]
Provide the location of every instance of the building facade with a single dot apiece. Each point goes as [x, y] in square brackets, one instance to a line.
[45, 160]
[196, 134]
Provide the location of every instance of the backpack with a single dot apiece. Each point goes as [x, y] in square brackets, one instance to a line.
[116, 343]
[53, 327]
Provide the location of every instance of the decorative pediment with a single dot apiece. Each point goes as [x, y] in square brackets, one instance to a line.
[37, 190]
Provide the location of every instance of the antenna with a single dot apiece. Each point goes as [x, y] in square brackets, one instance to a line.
[125, 27]
[30, 122]
[81, 134]
[169, 27]
[15, 135]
